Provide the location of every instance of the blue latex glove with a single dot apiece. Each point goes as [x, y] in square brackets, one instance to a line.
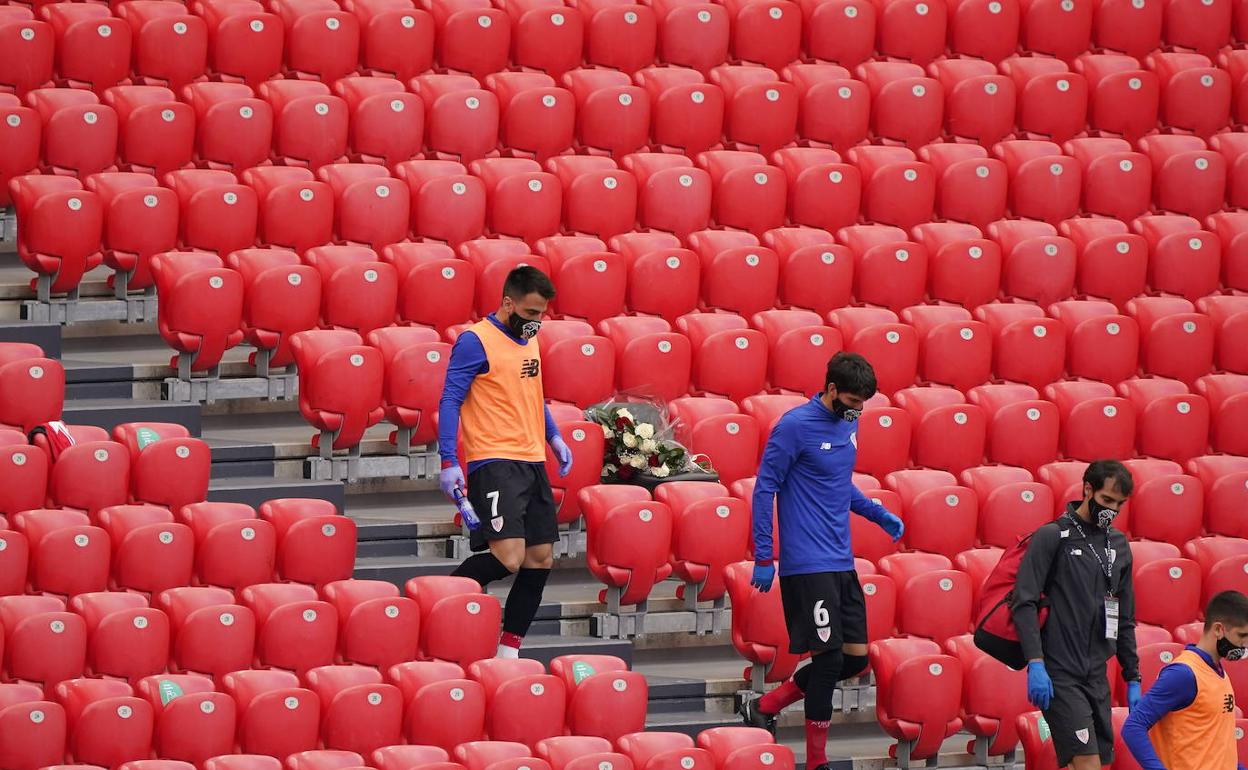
[764, 574]
[891, 524]
[1039, 685]
[562, 454]
[1134, 696]
[450, 479]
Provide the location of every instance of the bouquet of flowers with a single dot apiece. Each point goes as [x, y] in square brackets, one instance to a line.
[638, 443]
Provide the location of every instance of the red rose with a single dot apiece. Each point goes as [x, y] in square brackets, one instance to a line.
[626, 472]
[655, 461]
[621, 423]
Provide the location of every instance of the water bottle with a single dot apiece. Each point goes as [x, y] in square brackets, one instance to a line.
[466, 511]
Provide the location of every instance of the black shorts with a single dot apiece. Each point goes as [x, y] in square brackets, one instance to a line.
[823, 610]
[513, 500]
[1079, 718]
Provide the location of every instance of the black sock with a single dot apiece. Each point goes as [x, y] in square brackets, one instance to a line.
[524, 599]
[852, 665]
[802, 677]
[824, 670]
[484, 568]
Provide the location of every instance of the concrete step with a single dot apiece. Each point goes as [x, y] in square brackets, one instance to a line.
[46, 336]
[257, 490]
[688, 722]
[547, 647]
[107, 413]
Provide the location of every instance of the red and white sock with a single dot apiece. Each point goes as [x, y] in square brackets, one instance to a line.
[816, 743]
[509, 645]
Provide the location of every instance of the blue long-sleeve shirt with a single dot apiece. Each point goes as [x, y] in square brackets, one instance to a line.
[1174, 690]
[808, 466]
[468, 360]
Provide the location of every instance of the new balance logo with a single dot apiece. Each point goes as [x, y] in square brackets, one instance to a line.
[1228, 704]
[530, 368]
[825, 445]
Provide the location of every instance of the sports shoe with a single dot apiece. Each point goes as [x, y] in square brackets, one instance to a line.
[752, 717]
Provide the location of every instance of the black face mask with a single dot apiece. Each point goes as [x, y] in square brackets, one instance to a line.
[523, 328]
[1100, 514]
[1230, 651]
[844, 412]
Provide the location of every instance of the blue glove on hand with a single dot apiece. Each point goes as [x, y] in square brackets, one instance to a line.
[1134, 696]
[764, 574]
[562, 454]
[1039, 685]
[893, 525]
[450, 478]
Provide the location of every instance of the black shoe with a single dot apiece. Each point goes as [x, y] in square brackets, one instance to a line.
[752, 717]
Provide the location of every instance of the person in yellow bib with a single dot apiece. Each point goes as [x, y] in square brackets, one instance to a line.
[1187, 720]
[493, 392]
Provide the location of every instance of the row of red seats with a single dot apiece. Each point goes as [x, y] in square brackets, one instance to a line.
[603, 111]
[341, 708]
[321, 40]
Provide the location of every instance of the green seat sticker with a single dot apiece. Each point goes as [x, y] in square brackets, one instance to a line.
[581, 671]
[146, 436]
[168, 691]
[1043, 727]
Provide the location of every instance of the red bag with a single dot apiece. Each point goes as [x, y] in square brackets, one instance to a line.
[996, 633]
[52, 437]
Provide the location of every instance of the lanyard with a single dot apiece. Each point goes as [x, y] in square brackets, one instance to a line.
[1105, 567]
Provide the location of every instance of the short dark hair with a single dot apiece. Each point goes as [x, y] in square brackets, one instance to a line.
[526, 280]
[1101, 471]
[851, 373]
[1229, 608]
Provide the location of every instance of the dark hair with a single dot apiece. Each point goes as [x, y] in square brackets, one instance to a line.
[1101, 471]
[1229, 608]
[527, 280]
[851, 373]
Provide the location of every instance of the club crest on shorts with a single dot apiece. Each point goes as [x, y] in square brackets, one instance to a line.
[1082, 735]
[497, 523]
[824, 634]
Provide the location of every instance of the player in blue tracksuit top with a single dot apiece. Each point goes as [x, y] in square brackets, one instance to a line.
[808, 467]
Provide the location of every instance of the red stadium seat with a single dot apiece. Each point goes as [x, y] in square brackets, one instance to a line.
[396, 39]
[823, 192]
[1167, 508]
[370, 207]
[217, 214]
[244, 42]
[167, 466]
[816, 273]
[461, 118]
[211, 634]
[1123, 98]
[580, 752]
[692, 34]
[1052, 100]
[61, 238]
[43, 643]
[378, 627]
[170, 44]
[1132, 29]
[398, 757]
[1173, 424]
[32, 43]
[32, 392]
[1116, 181]
[280, 298]
[605, 699]
[1229, 314]
[359, 712]
[233, 548]
[954, 350]
[1188, 177]
[729, 359]
[698, 559]
[904, 668]
[277, 717]
[738, 748]
[592, 284]
[1037, 741]
[664, 751]
[767, 409]
[1229, 226]
[579, 370]
[1011, 504]
[545, 35]
[1101, 344]
[294, 210]
[233, 128]
[1039, 265]
[990, 706]
[1204, 28]
[619, 34]
[340, 385]
[897, 189]
[649, 356]
[314, 544]
[443, 708]
[150, 551]
[470, 36]
[729, 439]
[309, 124]
[629, 543]
[1184, 259]
[598, 198]
[202, 308]
[458, 622]
[193, 722]
[415, 364]
[970, 186]
[1225, 479]
[33, 729]
[738, 275]
[613, 115]
[766, 32]
[760, 111]
[758, 633]
[538, 118]
[107, 724]
[1208, 552]
[294, 630]
[1169, 592]
[1044, 184]
[126, 638]
[447, 203]
[798, 344]
[911, 30]
[140, 219]
[940, 516]
[14, 567]
[889, 269]
[1228, 402]
[979, 102]
[496, 755]
[68, 556]
[325, 759]
[1022, 427]
[906, 106]
[892, 347]
[157, 133]
[524, 703]
[748, 193]
[1195, 95]
[524, 201]
[687, 113]
[1027, 347]
[322, 41]
[90, 476]
[21, 137]
[834, 110]
[79, 133]
[984, 30]
[1112, 262]
[1174, 341]
[1095, 423]
[672, 195]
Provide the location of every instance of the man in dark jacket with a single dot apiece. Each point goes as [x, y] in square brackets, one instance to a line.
[1081, 566]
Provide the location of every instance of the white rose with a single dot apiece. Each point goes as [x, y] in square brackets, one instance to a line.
[661, 472]
[637, 461]
[630, 440]
[607, 433]
[627, 415]
[645, 430]
[649, 446]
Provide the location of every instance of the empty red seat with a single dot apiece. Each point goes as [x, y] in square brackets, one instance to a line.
[664, 750]
[578, 369]
[605, 699]
[984, 30]
[32, 729]
[309, 124]
[524, 703]
[415, 362]
[396, 757]
[1027, 347]
[906, 106]
[897, 189]
[233, 548]
[32, 392]
[1011, 505]
[1022, 427]
[758, 631]
[889, 269]
[89, 476]
[570, 752]
[912, 30]
[990, 706]
[649, 355]
[593, 282]
[619, 34]
[1123, 98]
[1175, 341]
[612, 114]
[92, 46]
[79, 133]
[387, 122]
[524, 201]
[140, 219]
[217, 213]
[1095, 423]
[126, 638]
[211, 634]
[443, 708]
[1052, 100]
[340, 384]
[686, 111]
[370, 207]
[378, 627]
[1168, 508]
[1225, 479]
[816, 273]
[738, 748]
[1112, 261]
[201, 311]
[979, 102]
[324, 759]
[699, 559]
[1184, 259]
[233, 128]
[359, 712]
[629, 542]
[1188, 177]
[22, 132]
[281, 296]
[1173, 424]
[461, 118]
[729, 438]
[68, 555]
[545, 35]
[729, 358]
[276, 716]
[537, 117]
[1038, 264]
[834, 110]
[244, 42]
[61, 238]
[1169, 592]
[1100, 344]
[767, 33]
[470, 36]
[1116, 181]
[970, 186]
[42, 642]
[920, 694]
[156, 132]
[892, 347]
[1195, 95]
[760, 111]
[107, 724]
[798, 342]
[24, 481]
[500, 755]
[1228, 403]
[823, 192]
[1197, 26]
[294, 629]
[953, 349]
[396, 39]
[672, 195]
[1229, 314]
[193, 722]
[170, 44]
[737, 274]
[322, 41]
[167, 466]
[447, 203]
[150, 551]
[458, 622]
[692, 34]
[32, 43]
[940, 515]
[749, 194]
[315, 544]
[1044, 184]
